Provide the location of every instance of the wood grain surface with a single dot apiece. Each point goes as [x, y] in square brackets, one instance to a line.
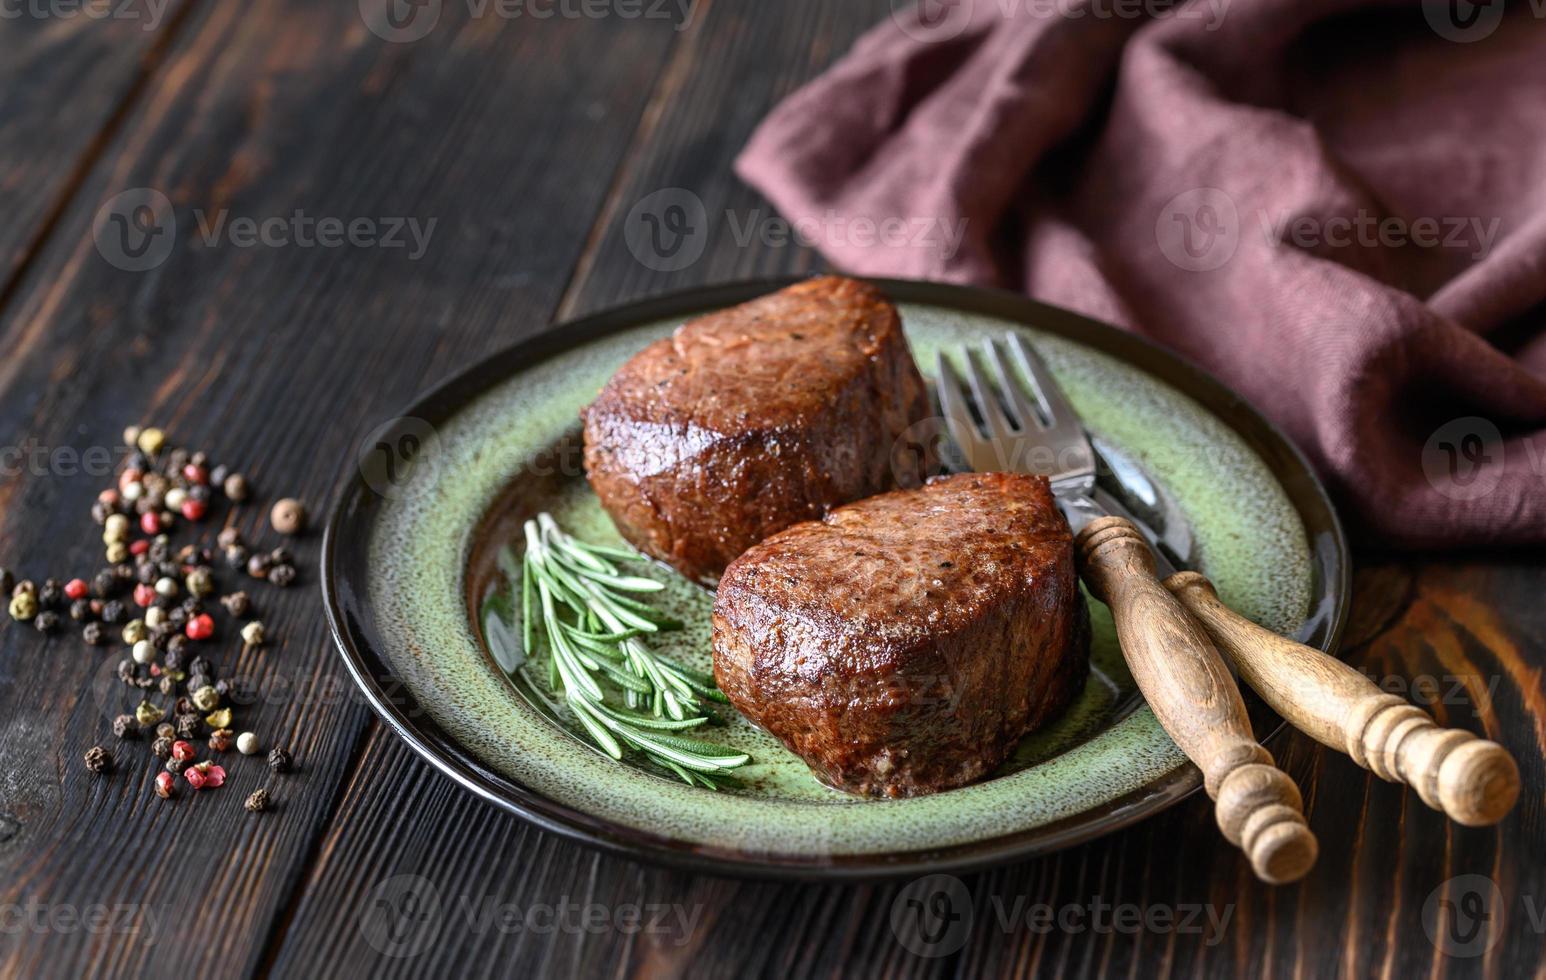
[529, 141]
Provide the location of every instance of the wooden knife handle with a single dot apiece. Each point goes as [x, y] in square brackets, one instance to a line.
[1191, 692]
[1473, 780]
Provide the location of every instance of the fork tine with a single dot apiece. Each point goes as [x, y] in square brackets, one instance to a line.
[987, 402]
[1029, 416]
[952, 401]
[1059, 412]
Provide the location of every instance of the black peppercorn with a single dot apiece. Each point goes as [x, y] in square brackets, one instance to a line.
[282, 575]
[81, 611]
[199, 492]
[126, 669]
[137, 461]
[257, 802]
[104, 585]
[237, 604]
[93, 634]
[192, 607]
[47, 622]
[176, 650]
[279, 760]
[201, 665]
[218, 474]
[147, 573]
[161, 748]
[236, 557]
[114, 613]
[175, 766]
[124, 726]
[178, 618]
[281, 556]
[160, 550]
[183, 705]
[189, 725]
[51, 595]
[99, 759]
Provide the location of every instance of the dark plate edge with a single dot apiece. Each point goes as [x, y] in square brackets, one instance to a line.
[1284, 459]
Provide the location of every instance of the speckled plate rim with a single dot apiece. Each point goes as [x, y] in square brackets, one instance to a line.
[346, 607]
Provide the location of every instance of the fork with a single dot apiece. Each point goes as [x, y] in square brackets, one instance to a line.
[1033, 428]
[1474, 781]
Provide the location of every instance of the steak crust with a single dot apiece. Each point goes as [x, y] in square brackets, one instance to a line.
[905, 644]
[751, 419]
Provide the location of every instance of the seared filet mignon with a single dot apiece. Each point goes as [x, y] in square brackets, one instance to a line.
[904, 644]
[754, 418]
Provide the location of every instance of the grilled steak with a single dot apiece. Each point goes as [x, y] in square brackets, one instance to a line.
[754, 418]
[904, 644]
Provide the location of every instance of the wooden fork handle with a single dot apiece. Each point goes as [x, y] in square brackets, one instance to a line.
[1191, 692]
[1471, 779]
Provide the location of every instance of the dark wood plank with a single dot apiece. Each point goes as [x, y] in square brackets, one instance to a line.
[279, 358]
[1360, 912]
[65, 81]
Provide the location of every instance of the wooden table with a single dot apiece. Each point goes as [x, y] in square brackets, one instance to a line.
[528, 140]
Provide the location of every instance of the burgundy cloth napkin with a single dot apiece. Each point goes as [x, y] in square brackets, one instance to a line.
[1339, 208]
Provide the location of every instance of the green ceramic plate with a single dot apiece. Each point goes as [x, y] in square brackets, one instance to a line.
[422, 613]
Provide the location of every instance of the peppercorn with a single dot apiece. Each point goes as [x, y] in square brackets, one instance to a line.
[247, 743]
[81, 611]
[150, 441]
[201, 665]
[166, 587]
[236, 557]
[113, 612]
[99, 760]
[104, 584]
[126, 670]
[200, 627]
[206, 698]
[167, 685]
[279, 760]
[194, 510]
[219, 718]
[281, 556]
[175, 766]
[148, 714]
[229, 537]
[51, 596]
[257, 802]
[165, 785]
[144, 595]
[220, 740]
[47, 622]
[252, 634]
[258, 566]
[189, 725]
[115, 553]
[115, 528]
[282, 576]
[191, 607]
[176, 650]
[93, 634]
[183, 751]
[235, 487]
[237, 604]
[161, 748]
[24, 606]
[288, 516]
[125, 726]
[135, 631]
[166, 730]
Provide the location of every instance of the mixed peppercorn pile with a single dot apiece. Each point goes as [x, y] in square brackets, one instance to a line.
[158, 600]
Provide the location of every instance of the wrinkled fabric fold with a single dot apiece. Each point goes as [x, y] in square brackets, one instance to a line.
[1339, 208]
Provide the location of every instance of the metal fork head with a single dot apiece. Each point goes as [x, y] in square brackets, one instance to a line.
[1023, 424]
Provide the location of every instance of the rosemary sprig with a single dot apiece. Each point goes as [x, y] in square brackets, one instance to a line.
[594, 629]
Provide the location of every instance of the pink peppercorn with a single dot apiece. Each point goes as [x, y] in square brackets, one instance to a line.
[109, 497]
[194, 510]
[195, 777]
[139, 547]
[150, 522]
[164, 784]
[200, 627]
[194, 473]
[144, 595]
[182, 751]
[75, 588]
